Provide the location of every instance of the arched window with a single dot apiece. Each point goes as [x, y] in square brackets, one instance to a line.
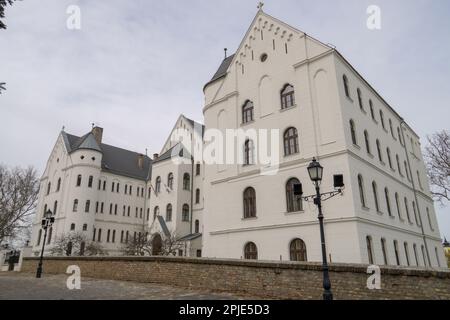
[75, 205]
[249, 203]
[79, 180]
[49, 187]
[185, 213]
[155, 212]
[405, 245]
[247, 112]
[169, 213]
[415, 213]
[388, 152]
[416, 258]
[380, 156]
[197, 196]
[45, 208]
[72, 227]
[398, 164]
[88, 204]
[388, 201]
[360, 100]
[372, 111]
[58, 186]
[406, 170]
[346, 87]
[197, 226]
[186, 181]
[429, 219]
[157, 185]
[287, 97]
[362, 196]
[366, 139]
[353, 132]
[50, 232]
[90, 181]
[397, 203]
[418, 180]
[384, 250]
[375, 196]
[397, 256]
[85, 227]
[391, 128]
[424, 256]
[170, 181]
[294, 202]
[249, 152]
[407, 210]
[197, 169]
[55, 208]
[297, 250]
[250, 251]
[382, 120]
[291, 141]
[399, 135]
[369, 249]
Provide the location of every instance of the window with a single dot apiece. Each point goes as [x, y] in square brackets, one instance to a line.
[197, 196]
[85, 227]
[369, 249]
[382, 120]
[118, 187]
[50, 232]
[391, 128]
[93, 234]
[72, 227]
[406, 170]
[99, 239]
[58, 186]
[415, 213]
[407, 210]
[75, 205]
[398, 165]
[362, 196]
[45, 209]
[287, 97]
[249, 152]
[170, 181]
[148, 214]
[397, 257]
[291, 141]
[124, 211]
[99, 184]
[104, 185]
[418, 179]
[158, 185]
[388, 201]
[113, 236]
[249, 203]
[360, 101]
[49, 186]
[155, 212]
[405, 245]
[79, 180]
[397, 203]
[366, 139]
[294, 202]
[126, 189]
[297, 250]
[372, 111]
[388, 152]
[250, 251]
[353, 132]
[90, 181]
[424, 256]
[346, 88]
[69, 249]
[108, 234]
[380, 156]
[437, 257]
[186, 181]
[375, 196]
[383, 249]
[185, 213]
[96, 206]
[121, 236]
[112, 187]
[149, 192]
[55, 207]
[101, 207]
[197, 226]
[399, 136]
[128, 211]
[197, 169]
[429, 219]
[247, 112]
[87, 206]
[415, 254]
[110, 208]
[115, 209]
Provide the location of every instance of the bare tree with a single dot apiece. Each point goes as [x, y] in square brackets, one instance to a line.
[437, 155]
[145, 245]
[19, 189]
[171, 244]
[76, 244]
[138, 246]
[3, 4]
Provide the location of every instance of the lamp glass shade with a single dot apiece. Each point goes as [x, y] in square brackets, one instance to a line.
[315, 171]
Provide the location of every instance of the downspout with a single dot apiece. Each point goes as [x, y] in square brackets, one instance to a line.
[192, 194]
[415, 193]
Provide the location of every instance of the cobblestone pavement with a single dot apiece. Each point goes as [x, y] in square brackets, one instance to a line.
[53, 287]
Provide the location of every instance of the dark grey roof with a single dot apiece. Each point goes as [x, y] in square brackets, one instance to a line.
[176, 151]
[196, 125]
[163, 225]
[190, 237]
[222, 71]
[115, 160]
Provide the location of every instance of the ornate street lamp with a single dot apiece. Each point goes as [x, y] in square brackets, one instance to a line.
[46, 223]
[315, 171]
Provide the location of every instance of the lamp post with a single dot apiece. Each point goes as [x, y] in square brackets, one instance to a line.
[315, 171]
[46, 223]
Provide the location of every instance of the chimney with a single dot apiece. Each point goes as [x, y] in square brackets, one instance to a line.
[98, 134]
[141, 161]
[155, 156]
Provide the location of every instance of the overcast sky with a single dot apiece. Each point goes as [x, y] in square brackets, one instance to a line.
[135, 65]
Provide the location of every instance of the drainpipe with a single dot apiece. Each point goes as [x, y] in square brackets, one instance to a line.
[192, 194]
[415, 193]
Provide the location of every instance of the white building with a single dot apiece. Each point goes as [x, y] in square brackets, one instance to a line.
[279, 78]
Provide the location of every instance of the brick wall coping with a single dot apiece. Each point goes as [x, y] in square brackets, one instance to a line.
[313, 266]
